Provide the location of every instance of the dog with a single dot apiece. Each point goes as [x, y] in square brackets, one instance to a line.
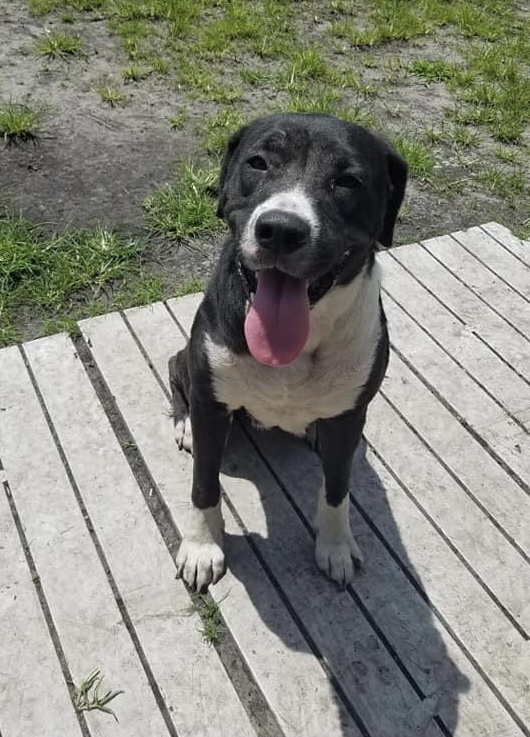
[291, 328]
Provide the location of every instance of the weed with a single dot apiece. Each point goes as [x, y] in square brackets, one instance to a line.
[159, 65]
[192, 286]
[186, 208]
[506, 183]
[319, 100]
[430, 70]
[18, 123]
[523, 231]
[59, 46]
[418, 157]
[179, 120]
[112, 95]
[86, 696]
[465, 137]
[304, 65]
[212, 623]
[219, 128]
[133, 73]
[137, 290]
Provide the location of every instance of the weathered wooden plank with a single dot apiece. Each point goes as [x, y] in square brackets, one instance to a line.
[82, 605]
[450, 251]
[493, 542]
[34, 698]
[332, 619]
[470, 532]
[469, 401]
[496, 257]
[484, 322]
[185, 309]
[460, 452]
[199, 696]
[505, 238]
[439, 666]
[185, 314]
[458, 340]
[304, 702]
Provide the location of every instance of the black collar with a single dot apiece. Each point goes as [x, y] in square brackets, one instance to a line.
[317, 289]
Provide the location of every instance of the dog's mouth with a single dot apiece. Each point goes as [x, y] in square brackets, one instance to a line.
[277, 323]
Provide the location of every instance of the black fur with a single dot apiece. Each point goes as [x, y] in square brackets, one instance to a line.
[357, 184]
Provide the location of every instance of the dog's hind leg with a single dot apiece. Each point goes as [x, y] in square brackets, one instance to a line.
[179, 381]
[337, 554]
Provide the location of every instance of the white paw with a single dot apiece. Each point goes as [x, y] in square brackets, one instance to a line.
[200, 560]
[200, 564]
[183, 436]
[338, 560]
[336, 552]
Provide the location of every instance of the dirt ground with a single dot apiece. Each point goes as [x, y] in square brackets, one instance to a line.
[94, 163]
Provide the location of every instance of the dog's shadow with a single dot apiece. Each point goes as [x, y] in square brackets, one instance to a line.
[378, 639]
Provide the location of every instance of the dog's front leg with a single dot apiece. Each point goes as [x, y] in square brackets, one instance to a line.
[337, 554]
[200, 559]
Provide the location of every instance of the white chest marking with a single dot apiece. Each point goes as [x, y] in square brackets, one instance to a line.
[328, 376]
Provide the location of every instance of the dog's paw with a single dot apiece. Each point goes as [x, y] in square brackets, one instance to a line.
[338, 559]
[200, 564]
[200, 560]
[183, 436]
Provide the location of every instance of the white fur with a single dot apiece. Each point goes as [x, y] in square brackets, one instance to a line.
[336, 552]
[183, 436]
[200, 559]
[327, 377]
[295, 201]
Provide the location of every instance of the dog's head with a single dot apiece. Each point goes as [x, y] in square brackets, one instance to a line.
[302, 191]
[307, 198]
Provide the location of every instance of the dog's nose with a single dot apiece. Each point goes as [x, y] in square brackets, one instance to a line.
[282, 231]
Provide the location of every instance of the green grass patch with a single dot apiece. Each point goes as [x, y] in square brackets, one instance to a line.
[42, 7]
[192, 286]
[178, 120]
[433, 70]
[186, 208]
[59, 46]
[111, 95]
[506, 182]
[219, 128]
[212, 624]
[418, 157]
[18, 123]
[134, 73]
[45, 273]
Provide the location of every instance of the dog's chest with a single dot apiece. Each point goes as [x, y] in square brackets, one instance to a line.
[324, 381]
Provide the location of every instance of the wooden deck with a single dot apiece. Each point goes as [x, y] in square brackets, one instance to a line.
[432, 638]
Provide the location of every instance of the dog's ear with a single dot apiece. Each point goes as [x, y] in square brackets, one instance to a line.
[397, 178]
[233, 143]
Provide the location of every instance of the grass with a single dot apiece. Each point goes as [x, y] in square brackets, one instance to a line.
[18, 123]
[211, 620]
[111, 95]
[418, 156]
[59, 46]
[86, 696]
[219, 127]
[133, 73]
[187, 207]
[227, 61]
[48, 274]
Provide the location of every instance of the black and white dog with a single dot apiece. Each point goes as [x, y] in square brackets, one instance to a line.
[291, 328]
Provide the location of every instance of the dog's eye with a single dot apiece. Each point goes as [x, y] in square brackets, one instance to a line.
[257, 162]
[347, 181]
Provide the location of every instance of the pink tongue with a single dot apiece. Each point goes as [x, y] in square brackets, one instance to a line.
[277, 324]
